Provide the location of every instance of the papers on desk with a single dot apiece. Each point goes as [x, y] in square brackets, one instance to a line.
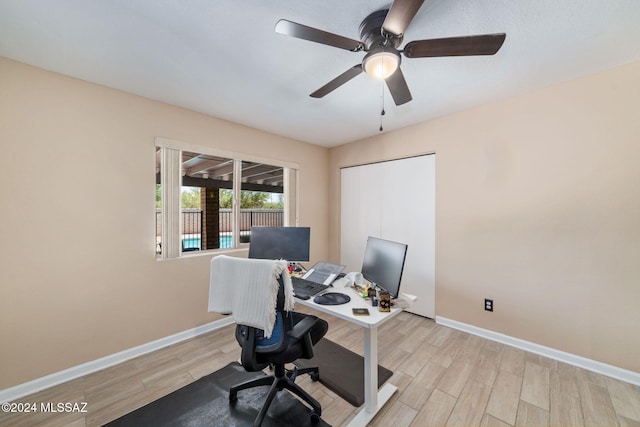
[404, 301]
[323, 272]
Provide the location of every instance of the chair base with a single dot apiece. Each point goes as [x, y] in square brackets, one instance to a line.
[282, 379]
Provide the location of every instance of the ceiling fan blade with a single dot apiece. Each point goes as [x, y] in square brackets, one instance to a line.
[486, 44]
[400, 15]
[338, 81]
[398, 87]
[300, 31]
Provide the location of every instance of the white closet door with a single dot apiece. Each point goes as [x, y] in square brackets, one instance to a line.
[393, 200]
[360, 213]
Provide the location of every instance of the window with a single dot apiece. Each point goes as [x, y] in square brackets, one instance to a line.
[208, 200]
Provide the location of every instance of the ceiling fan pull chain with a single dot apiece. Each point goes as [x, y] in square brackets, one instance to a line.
[382, 113]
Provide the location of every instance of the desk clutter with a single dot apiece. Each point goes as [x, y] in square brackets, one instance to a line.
[378, 298]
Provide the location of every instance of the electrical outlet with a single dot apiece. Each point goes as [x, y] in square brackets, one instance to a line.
[488, 304]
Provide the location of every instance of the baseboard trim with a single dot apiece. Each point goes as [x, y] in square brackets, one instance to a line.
[34, 386]
[572, 359]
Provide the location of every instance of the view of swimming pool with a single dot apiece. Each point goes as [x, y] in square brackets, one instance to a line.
[191, 243]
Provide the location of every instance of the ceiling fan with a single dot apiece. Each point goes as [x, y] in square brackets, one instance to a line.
[381, 34]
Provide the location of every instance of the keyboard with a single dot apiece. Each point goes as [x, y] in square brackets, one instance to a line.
[303, 287]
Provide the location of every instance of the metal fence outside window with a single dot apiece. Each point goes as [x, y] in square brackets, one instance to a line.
[192, 226]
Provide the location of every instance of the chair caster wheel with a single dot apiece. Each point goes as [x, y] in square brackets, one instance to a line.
[315, 418]
[233, 397]
[315, 377]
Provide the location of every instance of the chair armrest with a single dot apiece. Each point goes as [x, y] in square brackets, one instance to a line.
[301, 333]
[246, 337]
[303, 327]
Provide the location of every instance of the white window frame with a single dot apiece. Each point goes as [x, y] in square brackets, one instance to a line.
[171, 185]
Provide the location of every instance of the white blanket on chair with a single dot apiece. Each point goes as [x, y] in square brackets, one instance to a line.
[248, 289]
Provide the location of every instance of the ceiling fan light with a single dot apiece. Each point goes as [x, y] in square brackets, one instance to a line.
[381, 64]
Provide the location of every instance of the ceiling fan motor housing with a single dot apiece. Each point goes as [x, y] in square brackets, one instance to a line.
[371, 32]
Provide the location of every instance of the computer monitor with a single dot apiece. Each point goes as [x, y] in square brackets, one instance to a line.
[383, 264]
[288, 243]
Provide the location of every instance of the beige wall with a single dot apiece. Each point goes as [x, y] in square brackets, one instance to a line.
[78, 275]
[538, 208]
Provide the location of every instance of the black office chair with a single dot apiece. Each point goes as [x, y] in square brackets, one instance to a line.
[293, 337]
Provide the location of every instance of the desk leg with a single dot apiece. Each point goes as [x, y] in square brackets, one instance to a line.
[373, 399]
[371, 370]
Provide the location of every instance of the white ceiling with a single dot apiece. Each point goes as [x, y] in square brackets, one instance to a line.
[223, 58]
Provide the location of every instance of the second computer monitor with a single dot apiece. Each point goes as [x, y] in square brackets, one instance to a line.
[288, 243]
[383, 264]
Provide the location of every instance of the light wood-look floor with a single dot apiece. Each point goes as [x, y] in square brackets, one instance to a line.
[444, 378]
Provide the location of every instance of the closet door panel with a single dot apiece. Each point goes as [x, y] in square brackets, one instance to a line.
[349, 214]
[360, 213]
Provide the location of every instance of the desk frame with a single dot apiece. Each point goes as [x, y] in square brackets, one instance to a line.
[374, 399]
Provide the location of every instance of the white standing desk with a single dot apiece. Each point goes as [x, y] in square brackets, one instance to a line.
[374, 400]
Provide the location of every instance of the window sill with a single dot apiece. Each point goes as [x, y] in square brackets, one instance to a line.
[209, 253]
